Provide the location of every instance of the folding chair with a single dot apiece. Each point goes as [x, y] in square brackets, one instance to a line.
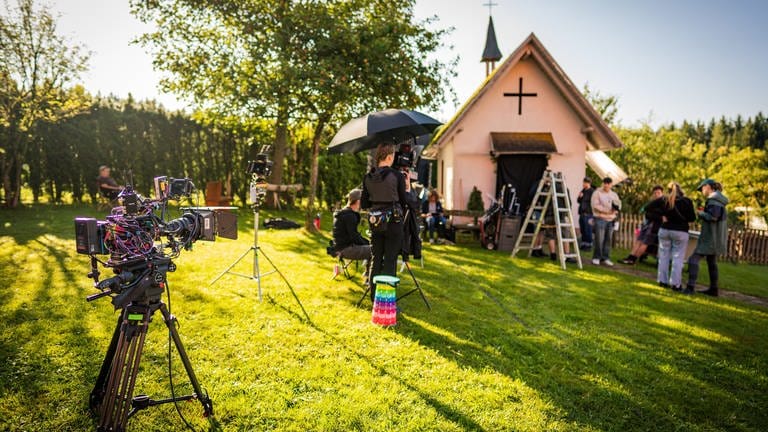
[342, 267]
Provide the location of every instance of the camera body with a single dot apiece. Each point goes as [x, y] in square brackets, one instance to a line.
[261, 166]
[404, 156]
[135, 230]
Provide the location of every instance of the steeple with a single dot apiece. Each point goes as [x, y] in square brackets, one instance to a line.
[491, 53]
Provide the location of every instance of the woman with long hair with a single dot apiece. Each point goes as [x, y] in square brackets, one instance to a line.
[673, 236]
[384, 196]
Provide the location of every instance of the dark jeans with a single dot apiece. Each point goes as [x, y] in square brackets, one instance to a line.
[435, 222]
[385, 247]
[585, 228]
[693, 269]
[603, 233]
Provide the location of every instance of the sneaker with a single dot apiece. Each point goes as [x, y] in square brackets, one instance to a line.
[608, 262]
[553, 256]
[431, 241]
[596, 261]
[571, 260]
[688, 290]
[710, 292]
[538, 253]
[336, 270]
[677, 288]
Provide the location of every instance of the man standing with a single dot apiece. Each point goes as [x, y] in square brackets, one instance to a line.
[605, 208]
[585, 214]
[346, 238]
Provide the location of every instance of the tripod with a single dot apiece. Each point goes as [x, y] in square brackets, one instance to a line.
[257, 275]
[112, 396]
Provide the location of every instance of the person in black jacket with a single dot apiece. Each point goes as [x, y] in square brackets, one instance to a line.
[673, 236]
[384, 196]
[585, 214]
[648, 234]
[347, 240]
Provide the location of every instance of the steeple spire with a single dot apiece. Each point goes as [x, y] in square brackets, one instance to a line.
[491, 53]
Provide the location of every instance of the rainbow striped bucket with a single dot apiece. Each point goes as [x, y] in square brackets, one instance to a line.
[384, 304]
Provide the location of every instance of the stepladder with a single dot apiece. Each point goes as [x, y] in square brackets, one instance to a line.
[550, 217]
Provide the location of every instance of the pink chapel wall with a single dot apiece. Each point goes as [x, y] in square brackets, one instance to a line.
[469, 150]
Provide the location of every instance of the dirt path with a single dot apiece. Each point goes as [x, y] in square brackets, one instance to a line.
[648, 272]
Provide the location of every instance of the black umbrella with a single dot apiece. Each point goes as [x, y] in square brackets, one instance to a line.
[392, 125]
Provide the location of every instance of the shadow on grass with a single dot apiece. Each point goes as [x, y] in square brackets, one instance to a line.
[521, 324]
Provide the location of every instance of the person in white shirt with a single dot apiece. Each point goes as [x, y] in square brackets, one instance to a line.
[605, 208]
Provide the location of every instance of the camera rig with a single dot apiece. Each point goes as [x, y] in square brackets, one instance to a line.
[141, 245]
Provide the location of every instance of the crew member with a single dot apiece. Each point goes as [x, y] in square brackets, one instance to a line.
[384, 196]
[107, 185]
[347, 240]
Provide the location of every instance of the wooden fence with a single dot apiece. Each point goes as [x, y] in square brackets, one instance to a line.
[744, 245]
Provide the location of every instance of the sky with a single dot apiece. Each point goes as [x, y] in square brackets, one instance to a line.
[665, 61]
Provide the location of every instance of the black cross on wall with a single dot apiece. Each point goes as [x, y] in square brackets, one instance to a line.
[520, 95]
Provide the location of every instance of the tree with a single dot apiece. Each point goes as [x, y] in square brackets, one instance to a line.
[606, 106]
[294, 61]
[35, 66]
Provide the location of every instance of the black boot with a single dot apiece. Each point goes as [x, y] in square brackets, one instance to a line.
[712, 291]
[553, 256]
[629, 260]
[688, 290]
[537, 253]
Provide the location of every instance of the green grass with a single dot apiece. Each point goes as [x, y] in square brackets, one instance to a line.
[510, 344]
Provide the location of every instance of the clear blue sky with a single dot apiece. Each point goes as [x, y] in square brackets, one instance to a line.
[664, 60]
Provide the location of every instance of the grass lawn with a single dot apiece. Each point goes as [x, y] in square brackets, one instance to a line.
[510, 344]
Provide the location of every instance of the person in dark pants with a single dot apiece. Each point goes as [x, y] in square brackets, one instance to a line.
[585, 214]
[713, 240]
[384, 196]
[346, 238]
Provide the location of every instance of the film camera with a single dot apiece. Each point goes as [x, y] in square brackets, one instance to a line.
[141, 244]
[136, 233]
[259, 169]
[405, 157]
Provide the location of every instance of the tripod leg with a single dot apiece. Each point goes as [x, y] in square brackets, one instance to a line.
[418, 287]
[170, 322]
[123, 369]
[284, 280]
[230, 266]
[97, 394]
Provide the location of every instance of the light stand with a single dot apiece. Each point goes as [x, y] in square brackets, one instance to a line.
[258, 191]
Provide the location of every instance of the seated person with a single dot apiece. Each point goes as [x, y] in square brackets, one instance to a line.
[432, 212]
[347, 241]
[107, 185]
[648, 235]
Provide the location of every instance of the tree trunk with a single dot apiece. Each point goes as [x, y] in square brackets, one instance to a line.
[308, 223]
[278, 156]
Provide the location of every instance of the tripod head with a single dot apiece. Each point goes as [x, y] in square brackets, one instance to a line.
[138, 281]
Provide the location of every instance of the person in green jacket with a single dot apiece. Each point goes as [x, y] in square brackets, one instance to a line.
[713, 239]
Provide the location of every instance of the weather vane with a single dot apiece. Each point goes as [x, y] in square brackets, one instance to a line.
[490, 4]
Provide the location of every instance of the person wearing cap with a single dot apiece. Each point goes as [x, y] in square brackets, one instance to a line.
[107, 185]
[605, 208]
[713, 240]
[585, 213]
[347, 240]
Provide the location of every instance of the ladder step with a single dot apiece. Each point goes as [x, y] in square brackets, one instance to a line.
[571, 255]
